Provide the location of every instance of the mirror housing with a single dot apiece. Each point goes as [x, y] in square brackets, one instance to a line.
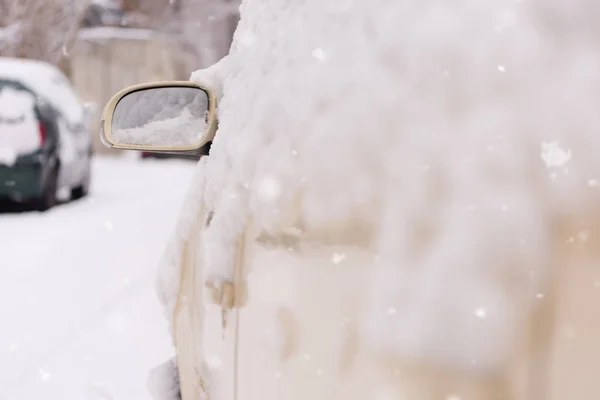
[188, 128]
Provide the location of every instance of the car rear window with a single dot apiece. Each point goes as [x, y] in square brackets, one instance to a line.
[17, 102]
[19, 123]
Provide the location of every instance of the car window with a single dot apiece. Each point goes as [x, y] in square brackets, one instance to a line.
[13, 115]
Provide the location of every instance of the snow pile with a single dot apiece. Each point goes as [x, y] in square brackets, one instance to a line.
[47, 81]
[161, 117]
[424, 126]
[19, 133]
[183, 130]
[102, 345]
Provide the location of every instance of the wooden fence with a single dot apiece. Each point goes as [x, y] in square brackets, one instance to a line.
[106, 60]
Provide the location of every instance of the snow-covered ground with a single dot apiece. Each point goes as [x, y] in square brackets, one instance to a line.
[79, 315]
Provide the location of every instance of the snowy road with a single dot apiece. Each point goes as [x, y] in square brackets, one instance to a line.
[80, 319]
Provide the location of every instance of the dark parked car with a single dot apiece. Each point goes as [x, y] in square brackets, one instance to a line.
[45, 144]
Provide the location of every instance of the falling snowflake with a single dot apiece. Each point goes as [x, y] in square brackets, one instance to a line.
[337, 258]
[44, 375]
[583, 236]
[319, 54]
[481, 312]
[269, 189]
[501, 68]
[553, 155]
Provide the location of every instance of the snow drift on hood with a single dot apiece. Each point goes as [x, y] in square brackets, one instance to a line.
[421, 124]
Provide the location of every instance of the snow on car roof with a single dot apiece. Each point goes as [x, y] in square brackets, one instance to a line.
[47, 80]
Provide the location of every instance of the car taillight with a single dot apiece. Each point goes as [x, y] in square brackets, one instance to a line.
[42, 130]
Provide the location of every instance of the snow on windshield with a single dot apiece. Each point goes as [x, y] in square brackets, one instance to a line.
[19, 132]
[169, 116]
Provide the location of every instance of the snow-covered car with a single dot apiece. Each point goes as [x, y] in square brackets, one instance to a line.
[45, 141]
[397, 201]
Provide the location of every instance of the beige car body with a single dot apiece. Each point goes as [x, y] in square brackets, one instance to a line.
[290, 325]
[296, 336]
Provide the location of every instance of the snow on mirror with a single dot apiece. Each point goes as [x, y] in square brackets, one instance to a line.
[161, 117]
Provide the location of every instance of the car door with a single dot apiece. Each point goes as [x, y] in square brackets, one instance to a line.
[299, 331]
[205, 347]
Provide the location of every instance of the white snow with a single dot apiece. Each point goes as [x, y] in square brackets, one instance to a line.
[19, 131]
[80, 318]
[165, 116]
[47, 81]
[107, 32]
[402, 123]
[8, 156]
[184, 130]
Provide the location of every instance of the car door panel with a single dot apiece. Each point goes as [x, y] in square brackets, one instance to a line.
[299, 332]
[205, 349]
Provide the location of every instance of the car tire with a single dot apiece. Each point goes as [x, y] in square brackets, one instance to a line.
[48, 198]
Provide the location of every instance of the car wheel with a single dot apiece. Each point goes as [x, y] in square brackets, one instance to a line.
[48, 198]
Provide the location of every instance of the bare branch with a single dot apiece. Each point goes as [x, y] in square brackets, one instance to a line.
[39, 29]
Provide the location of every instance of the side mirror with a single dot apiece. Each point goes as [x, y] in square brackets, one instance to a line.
[161, 117]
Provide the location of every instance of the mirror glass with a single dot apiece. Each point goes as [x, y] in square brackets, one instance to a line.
[173, 116]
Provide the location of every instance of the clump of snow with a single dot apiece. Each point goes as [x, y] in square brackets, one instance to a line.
[422, 127]
[8, 156]
[554, 156]
[175, 116]
[19, 133]
[183, 130]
